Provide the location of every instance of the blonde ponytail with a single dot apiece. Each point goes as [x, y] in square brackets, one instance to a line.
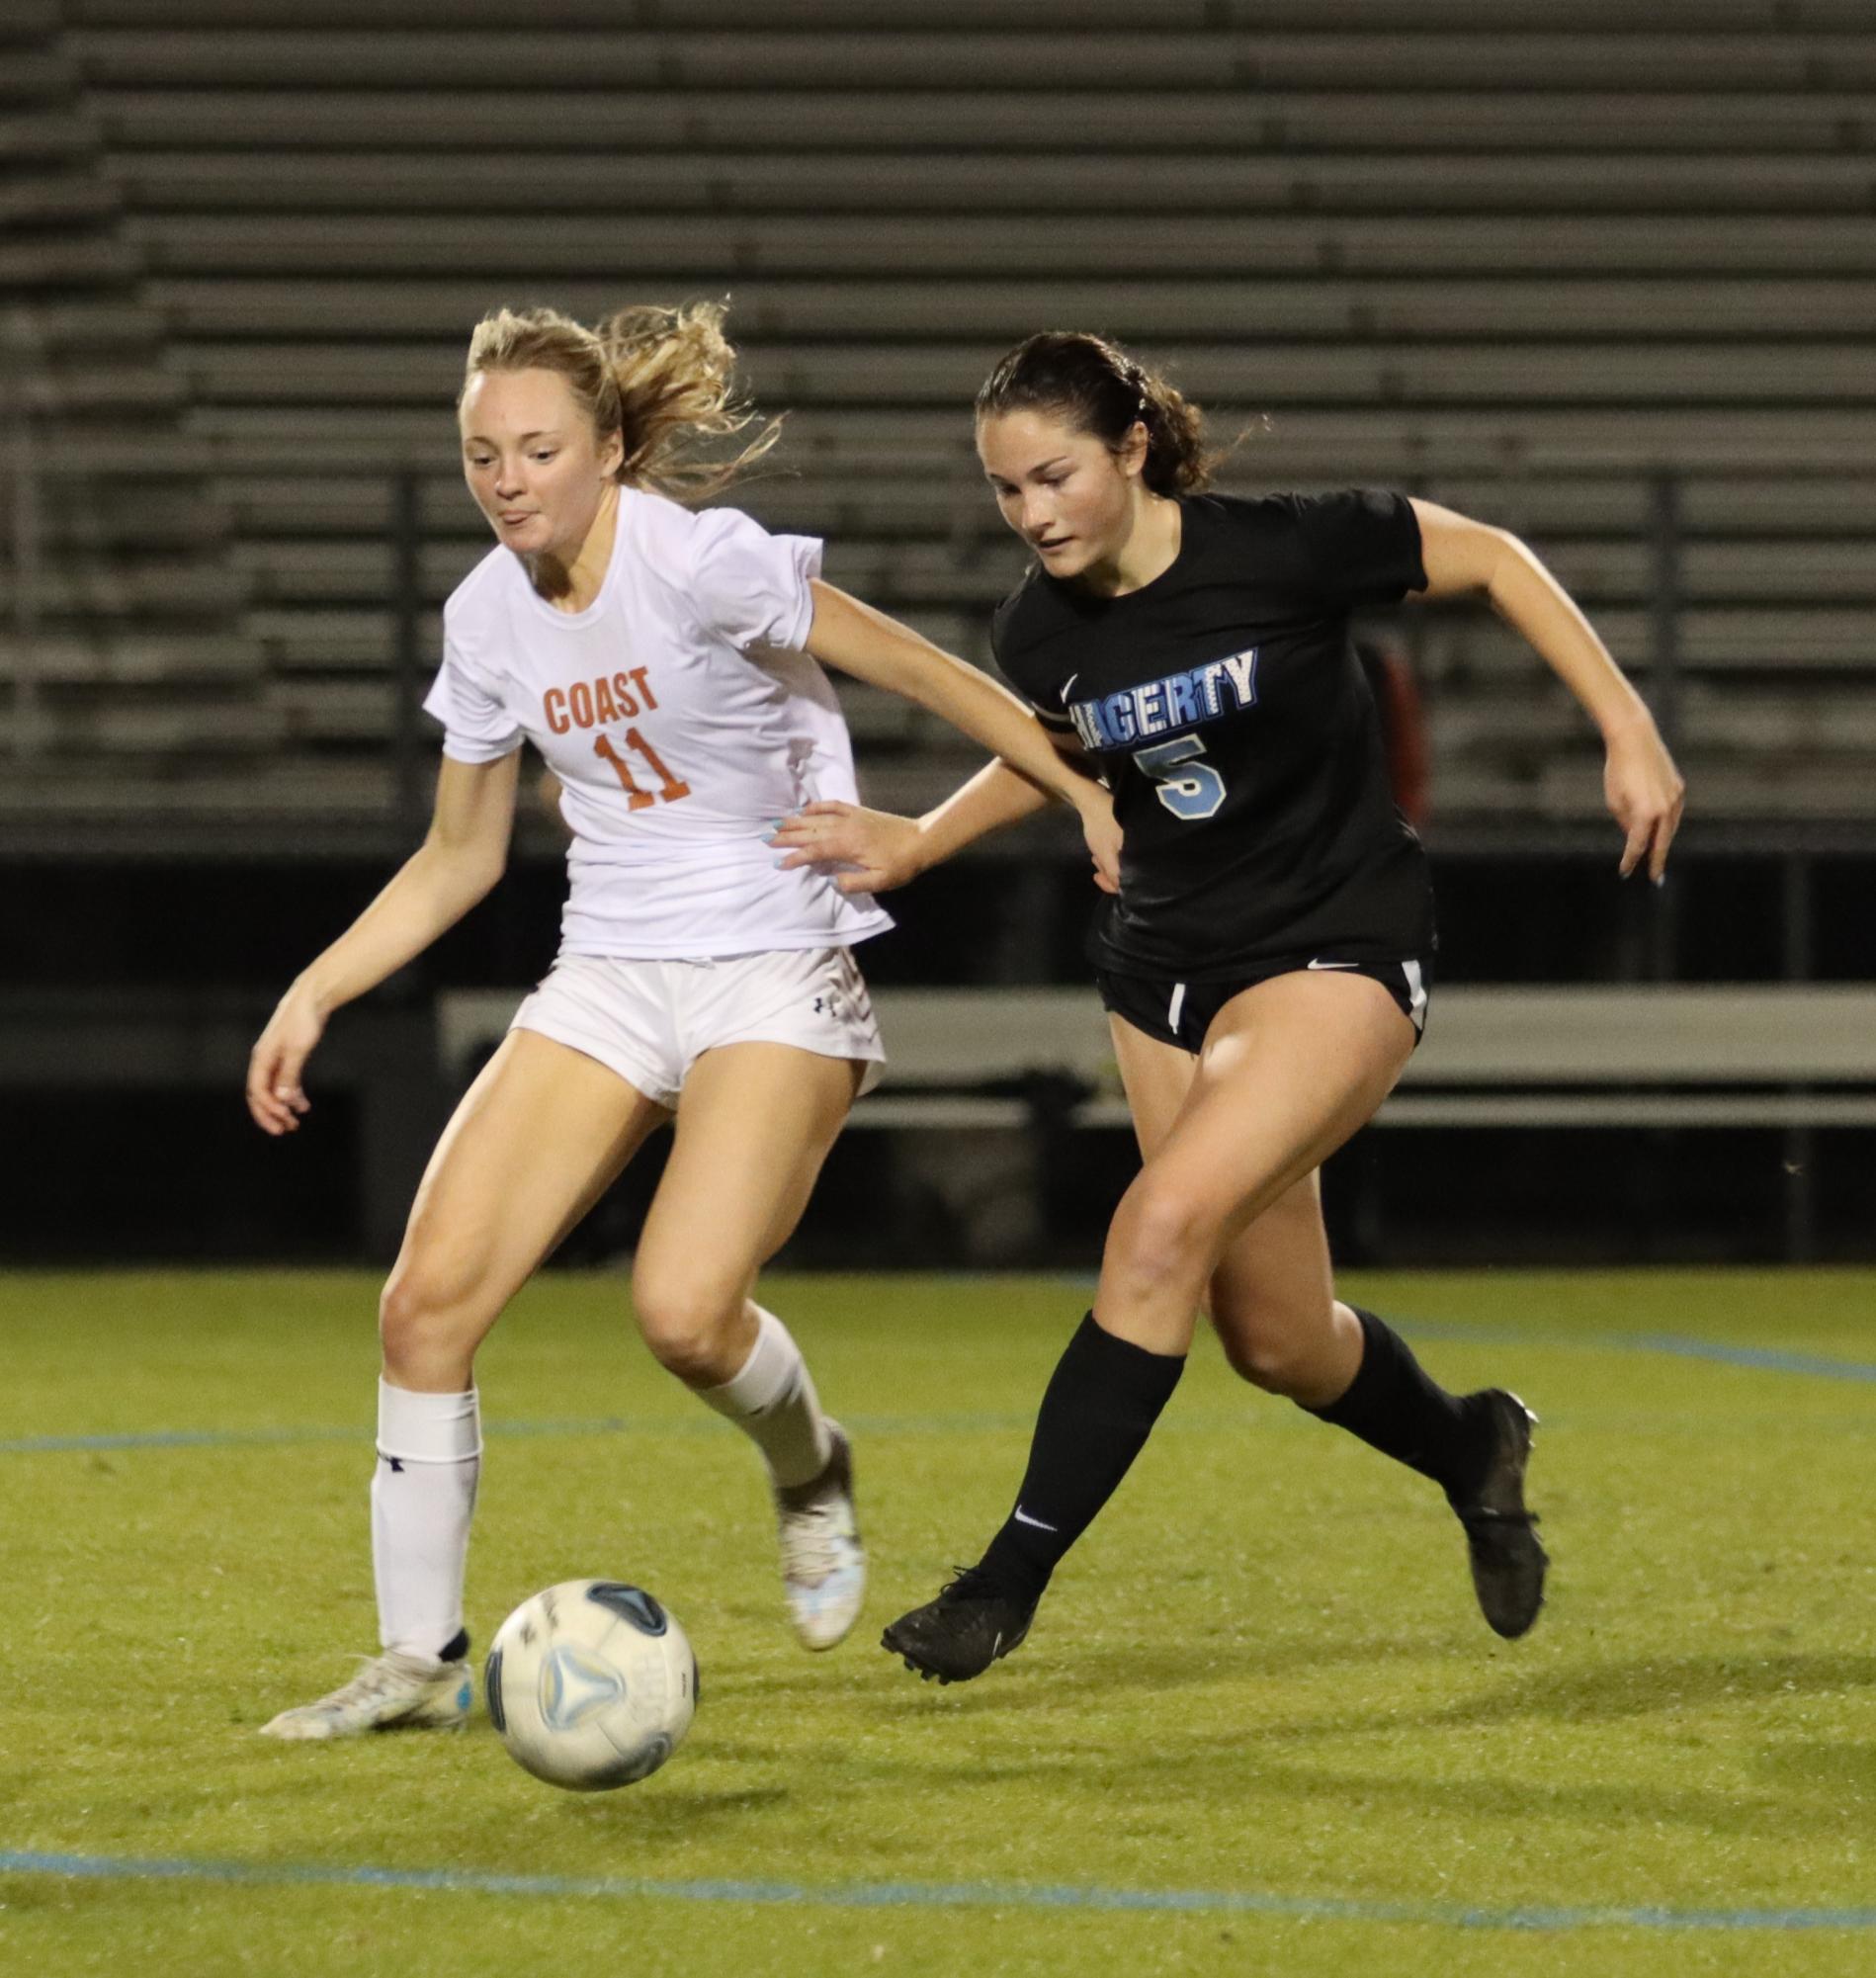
[662, 378]
[674, 371]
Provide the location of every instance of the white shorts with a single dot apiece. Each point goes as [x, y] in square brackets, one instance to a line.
[651, 1020]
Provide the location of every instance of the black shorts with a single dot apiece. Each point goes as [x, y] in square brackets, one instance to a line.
[1181, 1012]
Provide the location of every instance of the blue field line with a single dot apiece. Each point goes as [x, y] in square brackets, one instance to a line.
[261, 1438]
[1756, 1359]
[1767, 1360]
[1681, 1345]
[927, 1895]
[609, 1425]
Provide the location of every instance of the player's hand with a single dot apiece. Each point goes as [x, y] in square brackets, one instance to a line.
[869, 851]
[1645, 793]
[1103, 836]
[274, 1096]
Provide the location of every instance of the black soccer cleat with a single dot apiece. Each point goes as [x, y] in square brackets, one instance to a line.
[1508, 1563]
[972, 1625]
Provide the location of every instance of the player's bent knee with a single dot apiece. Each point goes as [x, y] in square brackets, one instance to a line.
[420, 1319]
[1283, 1359]
[1159, 1240]
[685, 1323]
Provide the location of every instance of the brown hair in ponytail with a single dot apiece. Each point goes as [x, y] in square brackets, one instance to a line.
[1104, 392]
[662, 378]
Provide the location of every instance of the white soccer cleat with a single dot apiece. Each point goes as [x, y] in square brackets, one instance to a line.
[824, 1563]
[391, 1691]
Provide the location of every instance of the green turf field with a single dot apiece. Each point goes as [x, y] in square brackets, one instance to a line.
[1258, 1728]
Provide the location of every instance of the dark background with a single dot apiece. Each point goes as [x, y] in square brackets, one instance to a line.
[1607, 279]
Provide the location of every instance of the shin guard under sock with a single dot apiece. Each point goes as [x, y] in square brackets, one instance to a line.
[423, 1494]
[771, 1398]
[1099, 1408]
[1394, 1406]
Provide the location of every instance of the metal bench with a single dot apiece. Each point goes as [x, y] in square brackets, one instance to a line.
[1725, 1056]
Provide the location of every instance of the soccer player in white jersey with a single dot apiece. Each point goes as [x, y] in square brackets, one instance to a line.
[664, 663]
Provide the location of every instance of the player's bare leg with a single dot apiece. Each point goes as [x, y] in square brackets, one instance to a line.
[1274, 1307]
[1272, 1299]
[1290, 1068]
[535, 1140]
[1270, 1288]
[754, 1124]
[1226, 1140]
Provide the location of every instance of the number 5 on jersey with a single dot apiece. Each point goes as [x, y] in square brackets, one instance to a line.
[641, 799]
[1189, 789]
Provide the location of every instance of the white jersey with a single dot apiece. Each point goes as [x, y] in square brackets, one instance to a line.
[682, 718]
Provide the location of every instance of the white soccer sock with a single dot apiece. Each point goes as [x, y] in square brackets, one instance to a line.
[772, 1399]
[423, 1492]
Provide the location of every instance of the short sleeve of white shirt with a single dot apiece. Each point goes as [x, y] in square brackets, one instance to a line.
[477, 727]
[751, 589]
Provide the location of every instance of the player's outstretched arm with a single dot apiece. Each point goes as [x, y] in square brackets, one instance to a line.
[1644, 790]
[873, 851]
[857, 639]
[462, 857]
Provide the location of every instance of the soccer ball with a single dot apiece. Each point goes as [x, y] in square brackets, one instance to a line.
[591, 1684]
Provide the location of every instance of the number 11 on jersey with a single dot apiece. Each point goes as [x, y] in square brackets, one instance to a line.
[1189, 789]
[641, 799]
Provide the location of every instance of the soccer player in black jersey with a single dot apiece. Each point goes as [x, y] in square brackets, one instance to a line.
[1267, 960]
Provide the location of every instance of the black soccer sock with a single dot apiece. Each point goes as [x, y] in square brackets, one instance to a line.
[1099, 1408]
[1394, 1406]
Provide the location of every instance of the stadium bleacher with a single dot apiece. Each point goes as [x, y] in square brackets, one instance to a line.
[125, 633]
[1536, 266]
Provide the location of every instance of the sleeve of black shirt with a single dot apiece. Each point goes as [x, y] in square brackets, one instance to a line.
[1363, 545]
[1026, 681]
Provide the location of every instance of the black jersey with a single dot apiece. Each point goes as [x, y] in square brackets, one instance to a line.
[1224, 705]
